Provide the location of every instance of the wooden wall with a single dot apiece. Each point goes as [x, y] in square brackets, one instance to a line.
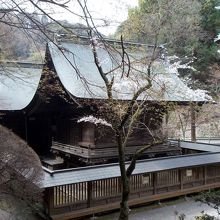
[84, 134]
[16, 123]
[68, 131]
[104, 137]
[39, 134]
[35, 130]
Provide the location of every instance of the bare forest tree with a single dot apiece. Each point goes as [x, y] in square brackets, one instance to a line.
[19, 39]
[206, 121]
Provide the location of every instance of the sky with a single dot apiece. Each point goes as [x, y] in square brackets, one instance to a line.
[113, 11]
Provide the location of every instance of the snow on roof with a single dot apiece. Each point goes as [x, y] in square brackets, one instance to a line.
[78, 73]
[18, 84]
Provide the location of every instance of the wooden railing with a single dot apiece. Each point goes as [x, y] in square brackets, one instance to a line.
[93, 196]
[71, 149]
[92, 152]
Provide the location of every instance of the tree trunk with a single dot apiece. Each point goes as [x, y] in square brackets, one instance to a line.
[124, 208]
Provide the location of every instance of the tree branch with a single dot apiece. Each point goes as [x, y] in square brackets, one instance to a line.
[132, 165]
[132, 102]
[134, 117]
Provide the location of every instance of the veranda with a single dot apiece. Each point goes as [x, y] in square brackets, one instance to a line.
[78, 192]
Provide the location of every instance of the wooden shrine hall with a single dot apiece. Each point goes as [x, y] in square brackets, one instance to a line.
[44, 108]
[43, 103]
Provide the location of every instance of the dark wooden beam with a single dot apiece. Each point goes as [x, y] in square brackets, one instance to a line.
[205, 174]
[89, 194]
[193, 122]
[155, 182]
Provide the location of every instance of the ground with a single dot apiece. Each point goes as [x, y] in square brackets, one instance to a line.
[14, 209]
[167, 211]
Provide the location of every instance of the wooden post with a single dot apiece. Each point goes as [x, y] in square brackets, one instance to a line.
[89, 194]
[154, 183]
[193, 122]
[178, 143]
[49, 199]
[181, 179]
[205, 174]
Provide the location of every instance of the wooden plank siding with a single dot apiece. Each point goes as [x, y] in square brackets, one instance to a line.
[103, 195]
[68, 131]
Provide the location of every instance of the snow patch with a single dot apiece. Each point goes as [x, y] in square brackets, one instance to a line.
[217, 38]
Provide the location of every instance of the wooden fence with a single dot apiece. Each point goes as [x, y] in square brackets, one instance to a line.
[86, 198]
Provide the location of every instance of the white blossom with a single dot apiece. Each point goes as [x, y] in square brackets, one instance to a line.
[217, 38]
[94, 120]
[94, 41]
[173, 67]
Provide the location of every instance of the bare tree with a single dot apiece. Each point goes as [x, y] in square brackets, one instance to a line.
[122, 116]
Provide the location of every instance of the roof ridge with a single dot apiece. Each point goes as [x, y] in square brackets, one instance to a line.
[21, 64]
[72, 37]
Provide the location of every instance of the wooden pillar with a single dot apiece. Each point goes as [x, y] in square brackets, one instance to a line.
[205, 174]
[193, 122]
[49, 199]
[89, 194]
[178, 143]
[154, 183]
[181, 179]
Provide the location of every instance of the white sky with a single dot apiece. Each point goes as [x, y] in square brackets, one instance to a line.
[113, 11]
